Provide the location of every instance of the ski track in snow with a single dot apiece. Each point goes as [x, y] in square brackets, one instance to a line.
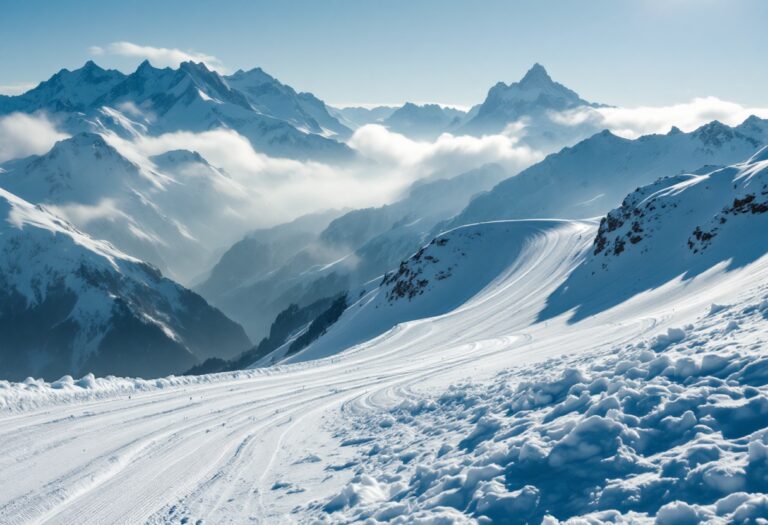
[258, 447]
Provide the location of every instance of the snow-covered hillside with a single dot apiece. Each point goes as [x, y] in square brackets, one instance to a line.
[675, 228]
[592, 177]
[654, 403]
[71, 304]
[439, 278]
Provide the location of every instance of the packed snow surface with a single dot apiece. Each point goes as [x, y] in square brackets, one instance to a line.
[652, 408]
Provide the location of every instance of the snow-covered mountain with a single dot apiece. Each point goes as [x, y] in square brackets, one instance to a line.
[173, 212]
[532, 97]
[593, 176]
[439, 278]
[71, 305]
[357, 116]
[677, 227]
[66, 91]
[681, 225]
[425, 121]
[190, 98]
[271, 97]
[527, 110]
[194, 98]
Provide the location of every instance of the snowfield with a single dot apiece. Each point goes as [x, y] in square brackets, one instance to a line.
[654, 407]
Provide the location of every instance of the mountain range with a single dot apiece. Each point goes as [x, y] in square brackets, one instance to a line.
[190, 98]
[174, 213]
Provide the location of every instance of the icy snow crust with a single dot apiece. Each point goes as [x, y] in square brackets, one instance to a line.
[653, 407]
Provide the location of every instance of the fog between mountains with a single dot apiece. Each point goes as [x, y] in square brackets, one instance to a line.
[265, 190]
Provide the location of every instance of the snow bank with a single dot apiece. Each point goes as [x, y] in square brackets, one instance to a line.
[673, 429]
[34, 393]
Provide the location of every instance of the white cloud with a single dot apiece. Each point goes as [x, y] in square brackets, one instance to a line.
[643, 120]
[82, 214]
[16, 89]
[22, 135]
[158, 56]
[275, 189]
[449, 153]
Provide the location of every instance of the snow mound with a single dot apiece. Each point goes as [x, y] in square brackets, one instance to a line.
[676, 432]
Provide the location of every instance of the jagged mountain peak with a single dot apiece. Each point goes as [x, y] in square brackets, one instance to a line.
[85, 142]
[536, 76]
[146, 68]
[82, 168]
[535, 94]
[66, 90]
[254, 74]
[535, 86]
[179, 156]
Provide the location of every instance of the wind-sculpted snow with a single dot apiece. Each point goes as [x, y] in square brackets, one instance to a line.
[672, 427]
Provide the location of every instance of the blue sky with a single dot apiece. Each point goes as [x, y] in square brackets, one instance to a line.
[613, 51]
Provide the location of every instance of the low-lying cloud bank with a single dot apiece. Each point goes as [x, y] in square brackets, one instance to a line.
[449, 154]
[643, 120]
[388, 164]
[22, 135]
[262, 190]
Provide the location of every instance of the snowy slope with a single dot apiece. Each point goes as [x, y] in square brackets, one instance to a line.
[71, 305]
[374, 432]
[357, 246]
[439, 278]
[593, 176]
[676, 227]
